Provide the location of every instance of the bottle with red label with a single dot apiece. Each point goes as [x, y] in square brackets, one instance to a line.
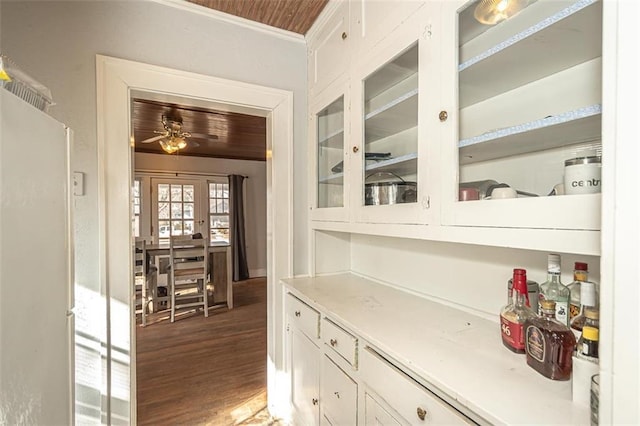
[514, 315]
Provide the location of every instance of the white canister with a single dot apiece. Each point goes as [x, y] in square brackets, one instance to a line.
[582, 175]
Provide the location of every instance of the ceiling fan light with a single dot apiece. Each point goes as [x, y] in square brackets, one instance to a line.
[179, 142]
[490, 12]
[168, 147]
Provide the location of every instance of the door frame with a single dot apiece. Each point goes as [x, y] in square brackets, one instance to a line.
[116, 79]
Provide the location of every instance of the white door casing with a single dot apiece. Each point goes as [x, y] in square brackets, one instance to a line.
[115, 80]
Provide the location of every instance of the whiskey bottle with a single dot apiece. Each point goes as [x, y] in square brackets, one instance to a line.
[514, 315]
[549, 344]
[580, 273]
[553, 289]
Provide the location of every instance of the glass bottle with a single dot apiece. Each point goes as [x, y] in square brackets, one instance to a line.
[591, 319]
[580, 273]
[588, 298]
[533, 289]
[549, 344]
[553, 289]
[514, 315]
[587, 347]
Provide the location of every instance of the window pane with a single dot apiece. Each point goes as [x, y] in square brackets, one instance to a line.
[163, 229]
[176, 211]
[188, 210]
[136, 209]
[163, 210]
[219, 221]
[176, 192]
[225, 191]
[163, 192]
[188, 227]
[225, 206]
[188, 193]
[136, 226]
[212, 190]
[136, 188]
[176, 227]
[219, 206]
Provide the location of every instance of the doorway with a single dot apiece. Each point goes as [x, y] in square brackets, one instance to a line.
[116, 79]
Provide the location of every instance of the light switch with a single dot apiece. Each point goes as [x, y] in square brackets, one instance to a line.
[78, 183]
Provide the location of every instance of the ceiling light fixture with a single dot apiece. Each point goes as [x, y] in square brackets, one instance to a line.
[173, 144]
[490, 12]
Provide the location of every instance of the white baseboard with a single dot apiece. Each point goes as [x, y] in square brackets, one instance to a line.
[254, 273]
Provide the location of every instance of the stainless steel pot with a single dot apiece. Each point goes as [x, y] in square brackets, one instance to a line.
[385, 192]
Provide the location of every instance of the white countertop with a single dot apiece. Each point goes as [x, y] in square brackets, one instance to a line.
[457, 352]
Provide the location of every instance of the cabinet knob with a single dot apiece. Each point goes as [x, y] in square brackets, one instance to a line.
[355, 149]
[344, 35]
[297, 313]
[337, 394]
[315, 401]
[333, 342]
[443, 116]
[422, 413]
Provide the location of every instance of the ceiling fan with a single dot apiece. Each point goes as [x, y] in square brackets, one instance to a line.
[172, 138]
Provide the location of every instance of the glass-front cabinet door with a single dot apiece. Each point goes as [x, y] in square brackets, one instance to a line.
[331, 166]
[387, 148]
[523, 80]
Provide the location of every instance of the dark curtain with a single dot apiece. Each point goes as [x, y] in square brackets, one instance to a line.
[238, 246]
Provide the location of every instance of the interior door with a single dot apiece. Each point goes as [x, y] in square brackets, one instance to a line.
[176, 208]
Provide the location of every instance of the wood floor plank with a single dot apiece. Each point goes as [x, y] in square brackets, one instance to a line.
[206, 371]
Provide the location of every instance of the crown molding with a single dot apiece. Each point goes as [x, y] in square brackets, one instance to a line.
[324, 16]
[232, 19]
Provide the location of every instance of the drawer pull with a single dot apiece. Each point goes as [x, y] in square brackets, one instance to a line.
[422, 413]
[443, 116]
[315, 401]
[337, 394]
[333, 342]
[297, 313]
[344, 36]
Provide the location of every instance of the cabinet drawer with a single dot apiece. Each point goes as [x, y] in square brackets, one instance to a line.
[303, 317]
[416, 404]
[338, 395]
[342, 342]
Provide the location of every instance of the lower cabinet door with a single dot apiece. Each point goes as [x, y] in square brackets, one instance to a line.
[339, 395]
[375, 414]
[305, 372]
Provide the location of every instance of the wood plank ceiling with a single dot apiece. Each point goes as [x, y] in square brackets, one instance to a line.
[216, 133]
[292, 15]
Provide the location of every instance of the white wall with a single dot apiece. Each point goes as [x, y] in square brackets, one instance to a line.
[57, 41]
[467, 276]
[255, 194]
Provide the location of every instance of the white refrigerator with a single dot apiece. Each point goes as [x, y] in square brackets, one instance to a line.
[36, 267]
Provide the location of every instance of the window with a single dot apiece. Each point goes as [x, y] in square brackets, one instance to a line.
[218, 212]
[136, 208]
[176, 210]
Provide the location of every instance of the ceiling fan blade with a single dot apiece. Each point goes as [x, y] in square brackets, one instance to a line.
[203, 136]
[153, 139]
[192, 143]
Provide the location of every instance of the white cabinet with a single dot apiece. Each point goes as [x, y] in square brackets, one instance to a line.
[413, 403]
[376, 414]
[523, 97]
[329, 50]
[305, 372]
[339, 395]
[330, 169]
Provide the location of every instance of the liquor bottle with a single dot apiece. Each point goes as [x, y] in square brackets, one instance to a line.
[514, 315]
[553, 289]
[587, 347]
[549, 344]
[588, 298]
[580, 273]
[533, 289]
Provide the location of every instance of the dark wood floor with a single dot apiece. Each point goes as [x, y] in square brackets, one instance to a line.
[210, 371]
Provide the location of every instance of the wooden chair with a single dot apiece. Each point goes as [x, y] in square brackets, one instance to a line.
[145, 280]
[188, 274]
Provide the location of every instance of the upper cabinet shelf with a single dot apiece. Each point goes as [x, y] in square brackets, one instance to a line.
[333, 140]
[579, 126]
[569, 37]
[397, 115]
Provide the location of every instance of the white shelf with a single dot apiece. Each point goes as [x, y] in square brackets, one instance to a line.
[403, 165]
[334, 140]
[581, 125]
[393, 73]
[568, 38]
[393, 117]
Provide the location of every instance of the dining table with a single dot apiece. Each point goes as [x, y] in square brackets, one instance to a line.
[223, 283]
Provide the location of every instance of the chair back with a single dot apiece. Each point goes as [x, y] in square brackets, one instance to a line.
[188, 257]
[140, 258]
